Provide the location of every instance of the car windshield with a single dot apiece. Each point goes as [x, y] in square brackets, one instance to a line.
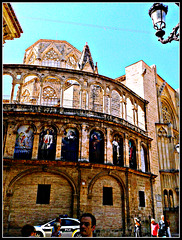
[69, 222]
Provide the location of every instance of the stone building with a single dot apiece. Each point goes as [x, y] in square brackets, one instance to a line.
[11, 25]
[76, 141]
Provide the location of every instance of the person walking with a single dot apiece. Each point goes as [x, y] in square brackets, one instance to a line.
[87, 224]
[154, 228]
[137, 227]
[168, 228]
[162, 227]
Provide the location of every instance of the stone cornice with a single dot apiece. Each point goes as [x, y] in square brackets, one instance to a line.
[76, 113]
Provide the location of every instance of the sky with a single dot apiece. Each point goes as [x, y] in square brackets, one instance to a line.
[118, 35]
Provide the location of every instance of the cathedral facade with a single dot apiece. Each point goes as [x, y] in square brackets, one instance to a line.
[76, 141]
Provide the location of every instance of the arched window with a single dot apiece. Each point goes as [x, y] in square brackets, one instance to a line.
[70, 145]
[71, 94]
[96, 98]
[166, 205]
[115, 103]
[117, 145]
[96, 147]
[168, 116]
[49, 96]
[132, 155]
[144, 162]
[24, 142]
[51, 58]
[47, 143]
[171, 202]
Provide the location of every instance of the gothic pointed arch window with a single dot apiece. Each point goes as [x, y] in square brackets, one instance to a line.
[96, 98]
[24, 142]
[168, 116]
[166, 113]
[96, 147]
[70, 145]
[166, 202]
[115, 103]
[51, 59]
[132, 154]
[49, 96]
[144, 162]
[171, 202]
[117, 145]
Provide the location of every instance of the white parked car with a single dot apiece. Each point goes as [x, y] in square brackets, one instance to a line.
[70, 227]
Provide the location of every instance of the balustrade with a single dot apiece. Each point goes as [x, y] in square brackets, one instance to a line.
[102, 106]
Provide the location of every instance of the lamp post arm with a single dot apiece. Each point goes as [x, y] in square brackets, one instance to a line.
[174, 35]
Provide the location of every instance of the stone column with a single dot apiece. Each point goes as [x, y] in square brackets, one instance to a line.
[75, 204]
[109, 105]
[134, 116]
[12, 92]
[164, 152]
[40, 94]
[137, 115]
[105, 147]
[109, 147]
[81, 98]
[61, 96]
[121, 107]
[35, 146]
[104, 103]
[58, 146]
[139, 164]
[20, 92]
[125, 103]
[160, 153]
[167, 152]
[10, 143]
[126, 151]
[87, 100]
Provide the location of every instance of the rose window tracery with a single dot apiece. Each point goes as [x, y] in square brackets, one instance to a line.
[49, 96]
[51, 58]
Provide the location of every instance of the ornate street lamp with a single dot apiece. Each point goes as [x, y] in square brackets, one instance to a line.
[158, 13]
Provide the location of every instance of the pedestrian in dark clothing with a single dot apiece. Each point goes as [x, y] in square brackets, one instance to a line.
[162, 227]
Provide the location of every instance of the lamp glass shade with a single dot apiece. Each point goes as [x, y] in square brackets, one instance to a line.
[158, 18]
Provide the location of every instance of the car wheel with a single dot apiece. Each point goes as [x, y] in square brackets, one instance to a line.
[39, 234]
[77, 234]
